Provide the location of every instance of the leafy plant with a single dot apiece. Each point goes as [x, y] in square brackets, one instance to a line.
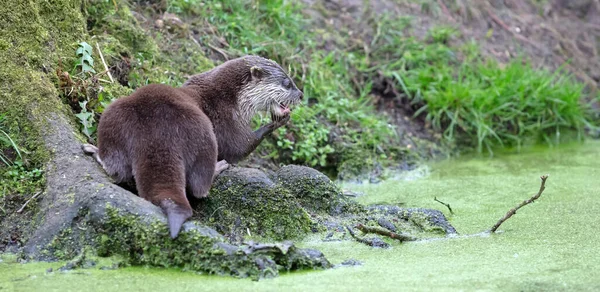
[85, 60]
[87, 120]
[259, 27]
[18, 178]
[442, 34]
[469, 100]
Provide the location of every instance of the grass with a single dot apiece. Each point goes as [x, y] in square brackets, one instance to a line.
[475, 102]
[479, 103]
[16, 175]
[6, 142]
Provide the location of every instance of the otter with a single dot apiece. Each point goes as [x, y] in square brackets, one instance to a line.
[168, 140]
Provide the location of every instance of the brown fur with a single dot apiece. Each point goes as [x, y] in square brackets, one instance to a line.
[169, 139]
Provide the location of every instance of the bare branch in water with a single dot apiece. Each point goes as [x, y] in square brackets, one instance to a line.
[374, 242]
[447, 205]
[513, 211]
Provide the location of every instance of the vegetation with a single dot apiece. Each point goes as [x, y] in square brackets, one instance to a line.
[16, 175]
[478, 102]
[276, 30]
[474, 102]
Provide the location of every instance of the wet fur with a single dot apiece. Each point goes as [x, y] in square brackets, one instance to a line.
[169, 139]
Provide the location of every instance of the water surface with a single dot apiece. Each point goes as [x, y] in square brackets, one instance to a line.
[551, 245]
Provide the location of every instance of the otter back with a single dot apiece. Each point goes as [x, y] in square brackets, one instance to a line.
[162, 139]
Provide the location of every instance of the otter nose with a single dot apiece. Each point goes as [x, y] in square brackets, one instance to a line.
[301, 96]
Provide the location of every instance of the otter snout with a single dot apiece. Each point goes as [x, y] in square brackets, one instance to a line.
[282, 106]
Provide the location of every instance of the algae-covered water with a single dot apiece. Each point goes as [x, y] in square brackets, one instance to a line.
[553, 244]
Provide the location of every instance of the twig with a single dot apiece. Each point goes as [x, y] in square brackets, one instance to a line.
[497, 20]
[513, 211]
[212, 47]
[219, 51]
[104, 62]
[30, 199]
[384, 232]
[447, 205]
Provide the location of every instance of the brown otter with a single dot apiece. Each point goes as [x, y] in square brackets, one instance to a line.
[169, 139]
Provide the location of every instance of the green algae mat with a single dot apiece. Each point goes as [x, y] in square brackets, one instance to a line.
[550, 245]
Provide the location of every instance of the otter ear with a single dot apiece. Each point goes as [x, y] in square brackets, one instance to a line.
[257, 72]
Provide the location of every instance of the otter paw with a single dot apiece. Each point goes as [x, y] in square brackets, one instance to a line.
[220, 166]
[281, 121]
[89, 149]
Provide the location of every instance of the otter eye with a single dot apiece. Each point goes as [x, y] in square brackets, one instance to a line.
[287, 83]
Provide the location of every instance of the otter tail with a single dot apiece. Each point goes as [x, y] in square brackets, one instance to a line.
[160, 178]
[176, 215]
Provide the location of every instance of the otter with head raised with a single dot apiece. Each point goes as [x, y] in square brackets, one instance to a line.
[169, 140]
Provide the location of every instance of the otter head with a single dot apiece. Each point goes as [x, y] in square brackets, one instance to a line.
[269, 88]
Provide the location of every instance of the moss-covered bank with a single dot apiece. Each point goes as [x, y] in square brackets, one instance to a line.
[35, 36]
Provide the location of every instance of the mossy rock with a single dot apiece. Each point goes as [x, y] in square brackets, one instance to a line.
[244, 201]
[289, 204]
[412, 220]
[200, 248]
[409, 223]
[314, 190]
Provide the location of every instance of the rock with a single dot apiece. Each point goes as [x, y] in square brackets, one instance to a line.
[82, 207]
[284, 205]
[427, 220]
[245, 202]
[387, 224]
[351, 262]
[314, 190]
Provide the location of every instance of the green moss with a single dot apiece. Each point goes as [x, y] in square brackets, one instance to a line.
[21, 179]
[235, 208]
[422, 221]
[357, 164]
[35, 36]
[106, 18]
[314, 191]
[72, 240]
[200, 249]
